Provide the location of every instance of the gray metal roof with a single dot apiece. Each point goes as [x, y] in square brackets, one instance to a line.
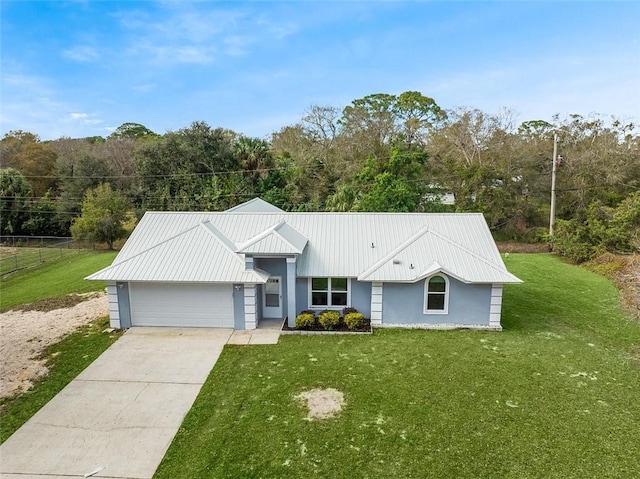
[278, 239]
[199, 254]
[356, 245]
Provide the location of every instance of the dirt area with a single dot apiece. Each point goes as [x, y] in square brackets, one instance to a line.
[322, 403]
[25, 334]
[515, 247]
[624, 270]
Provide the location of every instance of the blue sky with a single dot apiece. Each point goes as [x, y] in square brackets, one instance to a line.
[82, 68]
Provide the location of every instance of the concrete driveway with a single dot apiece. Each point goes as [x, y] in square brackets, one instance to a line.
[119, 415]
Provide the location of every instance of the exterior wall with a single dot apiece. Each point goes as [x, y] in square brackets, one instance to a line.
[124, 305]
[361, 297]
[250, 317]
[302, 295]
[259, 302]
[114, 313]
[238, 306]
[469, 305]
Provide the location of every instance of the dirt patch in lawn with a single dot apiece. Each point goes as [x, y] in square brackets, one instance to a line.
[26, 333]
[322, 403]
[51, 304]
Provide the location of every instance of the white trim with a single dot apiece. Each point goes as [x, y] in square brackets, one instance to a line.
[250, 316]
[112, 296]
[376, 303]
[446, 295]
[332, 307]
[495, 309]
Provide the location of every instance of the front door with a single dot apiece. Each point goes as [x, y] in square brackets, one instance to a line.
[272, 298]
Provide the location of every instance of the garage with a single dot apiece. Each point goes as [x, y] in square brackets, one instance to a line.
[181, 305]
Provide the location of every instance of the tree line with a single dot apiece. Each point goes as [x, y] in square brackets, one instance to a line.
[382, 152]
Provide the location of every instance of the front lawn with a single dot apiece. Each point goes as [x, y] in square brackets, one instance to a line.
[554, 395]
[54, 279]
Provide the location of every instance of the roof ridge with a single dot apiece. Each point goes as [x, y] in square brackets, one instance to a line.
[215, 232]
[260, 236]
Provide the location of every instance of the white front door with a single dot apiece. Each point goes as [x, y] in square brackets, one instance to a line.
[272, 298]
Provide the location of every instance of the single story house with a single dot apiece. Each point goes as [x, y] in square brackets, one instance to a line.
[234, 268]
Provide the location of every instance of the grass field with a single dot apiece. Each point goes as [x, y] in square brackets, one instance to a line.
[13, 259]
[555, 395]
[53, 279]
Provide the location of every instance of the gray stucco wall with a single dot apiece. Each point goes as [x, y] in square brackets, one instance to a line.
[238, 306]
[124, 305]
[302, 295]
[469, 304]
[361, 297]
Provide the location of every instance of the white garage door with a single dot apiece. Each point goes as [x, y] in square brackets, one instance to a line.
[181, 305]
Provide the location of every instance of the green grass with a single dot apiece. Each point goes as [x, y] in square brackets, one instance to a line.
[555, 395]
[28, 257]
[65, 360]
[53, 279]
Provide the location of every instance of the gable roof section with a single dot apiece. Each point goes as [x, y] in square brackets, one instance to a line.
[199, 254]
[428, 252]
[281, 238]
[256, 205]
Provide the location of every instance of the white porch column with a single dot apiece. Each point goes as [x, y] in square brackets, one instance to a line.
[250, 315]
[496, 306]
[291, 290]
[376, 303]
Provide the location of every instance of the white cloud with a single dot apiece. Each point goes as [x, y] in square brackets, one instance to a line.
[198, 33]
[175, 54]
[81, 53]
[31, 104]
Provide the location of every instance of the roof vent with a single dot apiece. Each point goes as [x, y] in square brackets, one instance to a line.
[411, 266]
[396, 261]
[372, 245]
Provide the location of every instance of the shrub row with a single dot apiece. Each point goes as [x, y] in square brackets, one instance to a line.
[331, 320]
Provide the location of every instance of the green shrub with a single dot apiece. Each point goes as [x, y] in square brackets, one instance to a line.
[329, 319]
[305, 320]
[354, 320]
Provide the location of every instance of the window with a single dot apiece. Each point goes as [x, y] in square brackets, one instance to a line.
[329, 292]
[436, 295]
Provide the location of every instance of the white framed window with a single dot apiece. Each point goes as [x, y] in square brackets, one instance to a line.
[329, 293]
[436, 295]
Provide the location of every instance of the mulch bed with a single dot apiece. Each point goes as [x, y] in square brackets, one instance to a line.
[342, 328]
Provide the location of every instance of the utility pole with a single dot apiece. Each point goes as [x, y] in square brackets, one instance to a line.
[552, 216]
